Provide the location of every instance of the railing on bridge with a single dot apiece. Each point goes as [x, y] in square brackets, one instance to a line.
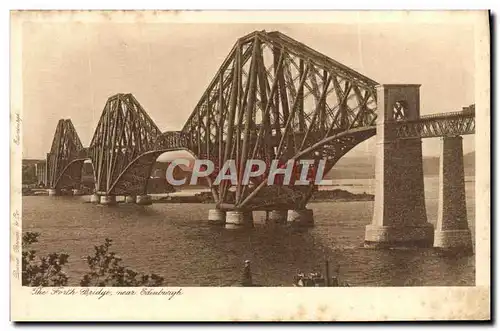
[438, 125]
[173, 140]
[427, 126]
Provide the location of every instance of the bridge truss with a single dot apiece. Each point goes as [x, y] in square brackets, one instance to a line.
[124, 132]
[65, 159]
[439, 125]
[273, 98]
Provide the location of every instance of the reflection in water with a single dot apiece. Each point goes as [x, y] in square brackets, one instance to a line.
[176, 242]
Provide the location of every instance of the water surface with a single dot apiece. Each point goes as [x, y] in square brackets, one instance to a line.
[176, 242]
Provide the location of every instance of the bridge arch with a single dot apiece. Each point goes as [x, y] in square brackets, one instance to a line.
[71, 175]
[298, 196]
[134, 177]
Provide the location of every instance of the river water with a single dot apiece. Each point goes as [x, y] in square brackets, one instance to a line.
[175, 241]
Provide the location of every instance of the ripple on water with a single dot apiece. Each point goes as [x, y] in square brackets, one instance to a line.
[175, 241]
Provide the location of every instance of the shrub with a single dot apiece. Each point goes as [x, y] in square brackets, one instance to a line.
[106, 270]
[45, 271]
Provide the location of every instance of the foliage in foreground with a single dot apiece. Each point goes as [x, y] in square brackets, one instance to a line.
[105, 268]
[44, 271]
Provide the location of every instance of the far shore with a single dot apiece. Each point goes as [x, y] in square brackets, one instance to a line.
[200, 194]
[195, 196]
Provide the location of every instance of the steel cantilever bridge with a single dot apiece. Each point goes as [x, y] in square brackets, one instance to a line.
[272, 98]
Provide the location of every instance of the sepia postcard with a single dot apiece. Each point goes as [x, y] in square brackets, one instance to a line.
[250, 166]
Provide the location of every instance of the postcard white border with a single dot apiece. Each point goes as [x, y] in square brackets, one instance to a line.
[217, 304]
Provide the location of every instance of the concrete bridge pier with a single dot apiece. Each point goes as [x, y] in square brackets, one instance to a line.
[108, 200]
[452, 230]
[300, 217]
[399, 214]
[130, 199]
[236, 219]
[216, 216]
[278, 216]
[144, 200]
[77, 191]
[94, 198]
[53, 192]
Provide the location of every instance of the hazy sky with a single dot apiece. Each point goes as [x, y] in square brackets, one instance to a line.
[70, 69]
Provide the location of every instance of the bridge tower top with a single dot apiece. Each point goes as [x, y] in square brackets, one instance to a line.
[398, 102]
[66, 141]
[66, 147]
[124, 132]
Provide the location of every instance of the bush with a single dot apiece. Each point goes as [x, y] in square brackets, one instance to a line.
[45, 271]
[105, 268]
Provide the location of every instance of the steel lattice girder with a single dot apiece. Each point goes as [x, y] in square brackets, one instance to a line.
[447, 124]
[66, 148]
[271, 99]
[296, 197]
[125, 132]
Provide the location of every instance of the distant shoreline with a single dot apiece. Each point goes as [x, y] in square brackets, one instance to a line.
[337, 195]
[334, 192]
[319, 196]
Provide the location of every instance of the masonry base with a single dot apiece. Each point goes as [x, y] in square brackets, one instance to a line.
[399, 236]
[236, 219]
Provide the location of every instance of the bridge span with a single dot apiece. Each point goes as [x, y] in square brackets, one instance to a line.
[274, 98]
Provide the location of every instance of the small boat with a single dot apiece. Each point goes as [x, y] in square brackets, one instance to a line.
[316, 279]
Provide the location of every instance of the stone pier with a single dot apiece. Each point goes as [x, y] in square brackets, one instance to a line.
[277, 216]
[108, 200]
[399, 217]
[217, 216]
[53, 192]
[144, 200]
[452, 229]
[300, 217]
[130, 199]
[77, 191]
[94, 198]
[239, 219]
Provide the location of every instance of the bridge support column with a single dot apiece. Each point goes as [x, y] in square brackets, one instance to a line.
[144, 200]
[77, 191]
[108, 200]
[399, 216]
[217, 216]
[238, 219]
[452, 230]
[300, 217]
[278, 216]
[130, 199]
[94, 198]
[53, 192]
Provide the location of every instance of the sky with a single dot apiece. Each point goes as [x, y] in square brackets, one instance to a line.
[70, 69]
